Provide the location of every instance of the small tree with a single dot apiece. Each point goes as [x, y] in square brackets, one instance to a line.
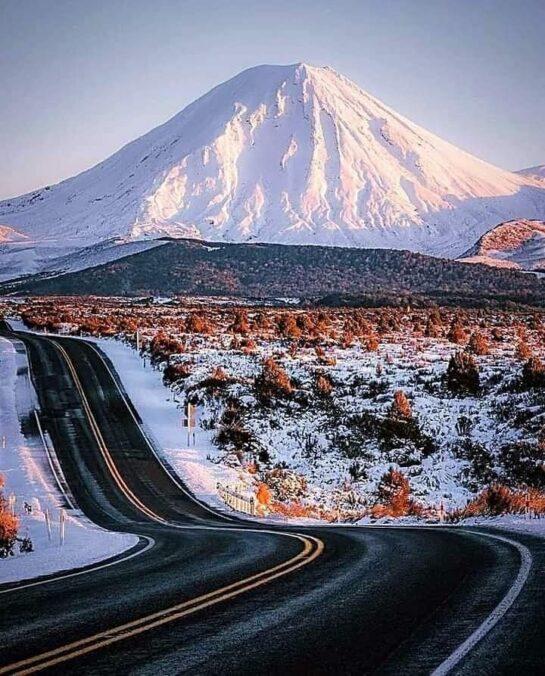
[464, 426]
[523, 351]
[478, 344]
[497, 335]
[533, 373]
[176, 371]
[457, 334]
[263, 495]
[401, 407]
[240, 323]
[347, 339]
[197, 322]
[462, 374]
[233, 437]
[273, 381]
[288, 327]
[432, 330]
[394, 492]
[8, 526]
[323, 383]
[249, 346]
[371, 343]
[523, 464]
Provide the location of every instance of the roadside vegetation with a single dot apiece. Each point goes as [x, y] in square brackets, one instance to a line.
[9, 525]
[348, 413]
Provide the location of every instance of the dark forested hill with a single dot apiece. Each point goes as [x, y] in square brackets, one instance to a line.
[339, 275]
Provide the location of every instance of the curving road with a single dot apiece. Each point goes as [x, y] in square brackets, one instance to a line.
[205, 594]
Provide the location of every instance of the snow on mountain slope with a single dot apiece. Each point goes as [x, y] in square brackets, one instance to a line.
[8, 234]
[23, 256]
[285, 154]
[515, 244]
[534, 172]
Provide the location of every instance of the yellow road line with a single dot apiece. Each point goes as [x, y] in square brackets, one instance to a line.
[147, 440]
[102, 444]
[312, 548]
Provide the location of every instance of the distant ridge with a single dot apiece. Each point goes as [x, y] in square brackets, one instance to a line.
[516, 244]
[340, 275]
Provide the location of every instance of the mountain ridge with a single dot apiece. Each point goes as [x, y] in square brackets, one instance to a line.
[537, 172]
[339, 276]
[516, 244]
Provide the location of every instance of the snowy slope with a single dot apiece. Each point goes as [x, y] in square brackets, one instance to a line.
[516, 244]
[285, 154]
[23, 256]
[534, 172]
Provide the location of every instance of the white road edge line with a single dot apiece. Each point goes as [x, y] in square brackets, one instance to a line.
[56, 471]
[499, 611]
[76, 573]
[48, 452]
[52, 459]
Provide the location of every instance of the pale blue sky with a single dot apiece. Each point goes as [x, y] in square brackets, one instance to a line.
[80, 78]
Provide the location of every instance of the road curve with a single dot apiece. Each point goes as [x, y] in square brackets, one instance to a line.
[216, 596]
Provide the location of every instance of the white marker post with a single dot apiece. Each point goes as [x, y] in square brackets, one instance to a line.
[189, 421]
[48, 524]
[62, 519]
[441, 512]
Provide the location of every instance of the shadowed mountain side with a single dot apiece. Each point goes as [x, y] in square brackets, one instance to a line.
[362, 276]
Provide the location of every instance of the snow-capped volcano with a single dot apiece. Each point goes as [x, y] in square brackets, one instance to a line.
[284, 154]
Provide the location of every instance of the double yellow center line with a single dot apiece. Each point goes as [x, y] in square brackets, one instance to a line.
[122, 485]
[312, 548]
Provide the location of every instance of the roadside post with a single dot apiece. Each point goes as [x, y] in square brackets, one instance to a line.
[189, 421]
[62, 520]
[48, 524]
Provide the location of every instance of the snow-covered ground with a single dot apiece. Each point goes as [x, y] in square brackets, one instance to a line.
[29, 477]
[511, 522]
[303, 439]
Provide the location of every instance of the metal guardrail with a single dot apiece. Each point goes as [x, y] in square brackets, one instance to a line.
[237, 501]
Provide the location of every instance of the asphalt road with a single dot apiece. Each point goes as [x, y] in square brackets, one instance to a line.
[218, 596]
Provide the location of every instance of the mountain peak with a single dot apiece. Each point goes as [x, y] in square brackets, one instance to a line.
[280, 153]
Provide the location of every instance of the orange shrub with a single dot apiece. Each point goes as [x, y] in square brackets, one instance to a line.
[293, 509]
[8, 526]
